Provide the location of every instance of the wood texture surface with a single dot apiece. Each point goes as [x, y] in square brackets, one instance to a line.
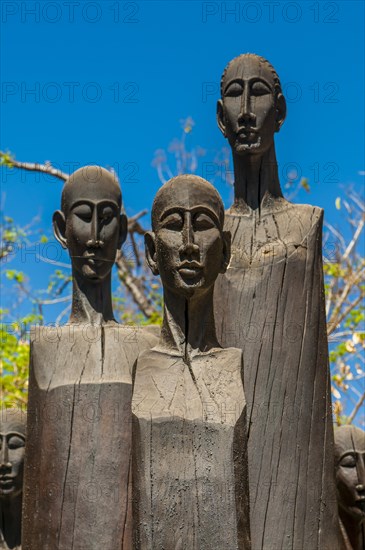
[270, 303]
[77, 468]
[189, 452]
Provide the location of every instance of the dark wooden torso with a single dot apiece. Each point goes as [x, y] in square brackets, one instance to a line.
[270, 303]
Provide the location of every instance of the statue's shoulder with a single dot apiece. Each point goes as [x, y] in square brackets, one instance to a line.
[308, 210]
[154, 358]
[229, 359]
[234, 353]
[307, 215]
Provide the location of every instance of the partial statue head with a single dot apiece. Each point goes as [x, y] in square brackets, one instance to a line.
[12, 448]
[252, 107]
[90, 223]
[350, 471]
[187, 245]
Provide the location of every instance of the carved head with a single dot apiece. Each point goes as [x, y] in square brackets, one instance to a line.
[12, 448]
[252, 107]
[350, 471]
[89, 223]
[187, 245]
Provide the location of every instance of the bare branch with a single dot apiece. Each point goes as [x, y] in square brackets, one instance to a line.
[354, 239]
[356, 409]
[35, 167]
[133, 285]
[344, 314]
[353, 280]
[62, 314]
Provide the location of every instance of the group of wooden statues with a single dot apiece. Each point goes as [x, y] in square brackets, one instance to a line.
[214, 431]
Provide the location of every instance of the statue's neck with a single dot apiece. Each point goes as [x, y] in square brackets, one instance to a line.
[355, 531]
[255, 176]
[188, 323]
[11, 521]
[91, 301]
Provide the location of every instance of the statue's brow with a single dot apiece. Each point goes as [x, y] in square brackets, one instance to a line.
[193, 210]
[251, 80]
[106, 202]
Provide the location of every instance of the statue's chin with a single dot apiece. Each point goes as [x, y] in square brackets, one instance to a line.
[91, 275]
[11, 492]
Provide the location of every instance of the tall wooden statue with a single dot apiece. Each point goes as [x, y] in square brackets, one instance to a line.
[189, 423]
[77, 469]
[270, 303]
[350, 480]
[12, 443]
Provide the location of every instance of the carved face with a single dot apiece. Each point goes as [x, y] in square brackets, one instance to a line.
[12, 448]
[249, 112]
[350, 471]
[188, 247]
[90, 225]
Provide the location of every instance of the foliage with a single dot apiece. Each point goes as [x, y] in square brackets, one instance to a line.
[14, 359]
[344, 273]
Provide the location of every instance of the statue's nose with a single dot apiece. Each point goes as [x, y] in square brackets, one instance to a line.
[189, 247]
[360, 466]
[246, 116]
[4, 459]
[95, 226]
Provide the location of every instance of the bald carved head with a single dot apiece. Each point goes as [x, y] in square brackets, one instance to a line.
[252, 107]
[350, 472]
[12, 449]
[90, 224]
[187, 245]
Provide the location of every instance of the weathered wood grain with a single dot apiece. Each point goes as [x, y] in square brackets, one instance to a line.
[270, 303]
[190, 478]
[77, 468]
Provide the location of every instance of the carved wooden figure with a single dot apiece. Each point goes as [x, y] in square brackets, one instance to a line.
[12, 443]
[77, 471]
[270, 303]
[190, 484]
[350, 479]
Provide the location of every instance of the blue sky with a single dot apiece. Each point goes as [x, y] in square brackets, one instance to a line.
[111, 81]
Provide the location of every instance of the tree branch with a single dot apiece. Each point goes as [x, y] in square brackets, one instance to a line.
[132, 284]
[356, 409]
[35, 167]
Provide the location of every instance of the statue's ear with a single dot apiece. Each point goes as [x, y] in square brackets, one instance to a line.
[226, 251]
[123, 232]
[280, 111]
[150, 247]
[220, 117]
[59, 227]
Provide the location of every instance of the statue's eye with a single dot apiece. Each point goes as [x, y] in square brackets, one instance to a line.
[173, 222]
[259, 88]
[84, 212]
[202, 222]
[348, 461]
[107, 214]
[15, 442]
[235, 89]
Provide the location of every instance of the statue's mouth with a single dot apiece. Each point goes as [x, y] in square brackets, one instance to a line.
[6, 481]
[190, 269]
[246, 131]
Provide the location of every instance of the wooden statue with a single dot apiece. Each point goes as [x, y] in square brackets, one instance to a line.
[270, 304]
[189, 423]
[350, 479]
[77, 470]
[12, 443]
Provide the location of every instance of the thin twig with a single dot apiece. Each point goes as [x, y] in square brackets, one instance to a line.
[356, 409]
